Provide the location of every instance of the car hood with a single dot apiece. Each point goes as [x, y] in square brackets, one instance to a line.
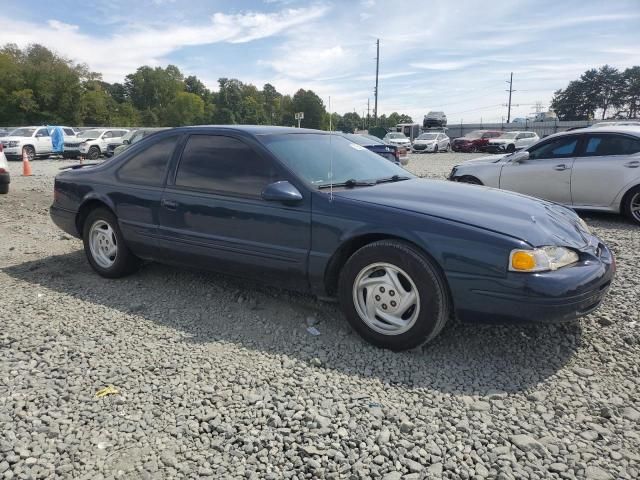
[534, 221]
[501, 140]
[399, 140]
[424, 142]
[485, 160]
[14, 139]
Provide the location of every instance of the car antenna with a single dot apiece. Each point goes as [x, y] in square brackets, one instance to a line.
[330, 155]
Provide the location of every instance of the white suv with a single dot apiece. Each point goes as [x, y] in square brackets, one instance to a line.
[34, 141]
[509, 142]
[93, 143]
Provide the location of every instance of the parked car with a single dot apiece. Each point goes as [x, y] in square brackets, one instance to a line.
[5, 177]
[520, 120]
[34, 141]
[92, 143]
[402, 254]
[474, 141]
[131, 137]
[374, 144]
[584, 169]
[510, 142]
[397, 138]
[431, 142]
[434, 119]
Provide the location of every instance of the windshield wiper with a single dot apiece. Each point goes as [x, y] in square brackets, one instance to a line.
[352, 182]
[395, 178]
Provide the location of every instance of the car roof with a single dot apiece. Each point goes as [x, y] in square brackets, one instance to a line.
[253, 129]
[634, 130]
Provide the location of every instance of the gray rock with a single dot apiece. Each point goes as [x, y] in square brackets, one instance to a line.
[583, 372]
[406, 426]
[596, 473]
[481, 406]
[526, 443]
[558, 467]
[392, 476]
[631, 413]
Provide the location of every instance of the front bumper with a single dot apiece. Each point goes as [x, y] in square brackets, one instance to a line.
[423, 148]
[547, 297]
[13, 153]
[461, 147]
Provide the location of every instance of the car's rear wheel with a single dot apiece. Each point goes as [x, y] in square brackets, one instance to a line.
[632, 205]
[470, 179]
[393, 295]
[30, 152]
[94, 153]
[105, 247]
[448, 149]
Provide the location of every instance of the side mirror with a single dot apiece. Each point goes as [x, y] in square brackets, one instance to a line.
[520, 157]
[281, 191]
[39, 135]
[125, 142]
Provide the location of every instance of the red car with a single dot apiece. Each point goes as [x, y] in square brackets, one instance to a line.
[474, 141]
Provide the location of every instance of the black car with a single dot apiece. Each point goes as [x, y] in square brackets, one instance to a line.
[314, 211]
[434, 119]
[376, 145]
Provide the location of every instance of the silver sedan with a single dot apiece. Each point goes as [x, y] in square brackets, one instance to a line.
[584, 169]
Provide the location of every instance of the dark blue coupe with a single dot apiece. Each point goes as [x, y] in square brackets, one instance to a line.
[308, 210]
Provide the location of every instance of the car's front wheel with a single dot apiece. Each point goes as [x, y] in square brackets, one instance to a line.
[105, 247]
[94, 153]
[393, 295]
[511, 148]
[632, 205]
[435, 149]
[30, 152]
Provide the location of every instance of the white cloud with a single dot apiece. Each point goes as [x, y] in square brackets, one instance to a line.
[126, 50]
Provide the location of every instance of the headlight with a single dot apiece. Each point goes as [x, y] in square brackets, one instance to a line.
[541, 259]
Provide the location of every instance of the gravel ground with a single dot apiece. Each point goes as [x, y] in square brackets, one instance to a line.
[219, 378]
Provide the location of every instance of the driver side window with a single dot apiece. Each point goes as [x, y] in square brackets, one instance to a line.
[556, 148]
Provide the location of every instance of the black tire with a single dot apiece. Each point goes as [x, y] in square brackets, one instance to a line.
[125, 261]
[475, 149]
[30, 151]
[4, 188]
[470, 179]
[435, 149]
[94, 153]
[431, 289]
[511, 148]
[448, 147]
[631, 205]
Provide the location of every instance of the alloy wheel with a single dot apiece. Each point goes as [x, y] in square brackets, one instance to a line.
[386, 298]
[103, 244]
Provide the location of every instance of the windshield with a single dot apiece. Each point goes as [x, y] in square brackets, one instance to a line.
[310, 156]
[509, 135]
[22, 132]
[90, 134]
[363, 140]
[428, 136]
[474, 134]
[396, 135]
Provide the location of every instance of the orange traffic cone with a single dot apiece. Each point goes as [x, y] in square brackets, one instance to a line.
[26, 166]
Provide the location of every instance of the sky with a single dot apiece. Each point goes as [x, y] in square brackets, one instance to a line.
[454, 56]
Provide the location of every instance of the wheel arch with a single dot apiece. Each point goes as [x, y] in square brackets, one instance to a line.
[625, 196]
[87, 206]
[353, 244]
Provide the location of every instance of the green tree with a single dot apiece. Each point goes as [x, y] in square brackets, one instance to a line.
[311, 104]
[185, 109]
[631, 79]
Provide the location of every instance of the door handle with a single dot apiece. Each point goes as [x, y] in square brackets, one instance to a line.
[169, 204]
[633, 164]
[561, 167]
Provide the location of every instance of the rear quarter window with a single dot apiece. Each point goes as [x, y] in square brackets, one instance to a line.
[149, 166]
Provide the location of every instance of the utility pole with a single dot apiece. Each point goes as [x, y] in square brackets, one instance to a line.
[368, 117]
[375, 105]
[511, 90]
